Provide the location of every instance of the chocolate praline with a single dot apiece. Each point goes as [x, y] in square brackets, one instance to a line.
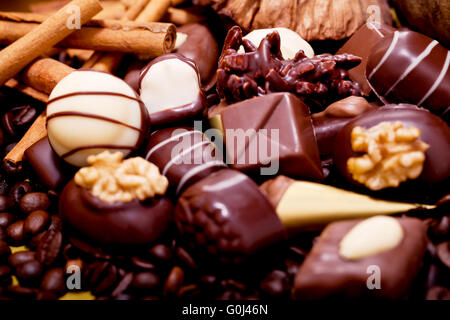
[434, 132]
[116, 223]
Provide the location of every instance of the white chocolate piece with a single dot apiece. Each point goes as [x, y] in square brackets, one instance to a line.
[309, 205]
[168, 84]
[370, 237]
[290, 41]
[181, 39]
[70, 132]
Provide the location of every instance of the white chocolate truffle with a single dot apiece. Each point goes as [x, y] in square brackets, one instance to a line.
[290, 41]
[171, 82]
[89, 112]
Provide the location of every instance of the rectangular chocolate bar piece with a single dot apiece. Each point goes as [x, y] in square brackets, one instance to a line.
[269, 135]
[355, 267]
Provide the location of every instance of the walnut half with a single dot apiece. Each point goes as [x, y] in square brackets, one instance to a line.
[393, 154]
[111, 178]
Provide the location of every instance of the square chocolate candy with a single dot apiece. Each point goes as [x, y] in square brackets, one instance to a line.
[377, 257]
[269, 135]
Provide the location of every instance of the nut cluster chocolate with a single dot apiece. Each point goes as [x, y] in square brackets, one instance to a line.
[280, 169]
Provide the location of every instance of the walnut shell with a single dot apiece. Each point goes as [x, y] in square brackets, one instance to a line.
[312, 19]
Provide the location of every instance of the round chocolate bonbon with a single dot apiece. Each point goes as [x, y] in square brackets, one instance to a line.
[433, 131]
[184, 155]
[170, 89]
[90, 111]
[408, 67]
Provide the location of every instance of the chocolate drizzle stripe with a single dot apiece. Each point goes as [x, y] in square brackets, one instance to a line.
[92, 116]
[93, 93]
[178, 156]
[171, 139]
[438, 80]
[413, 65]
[188, 175]
[98, 146]
[386, 55]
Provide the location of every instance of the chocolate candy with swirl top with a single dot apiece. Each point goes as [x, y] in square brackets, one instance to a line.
[170, 88]
[117, 202]
[394, 144]
[184, 155]
[228, 216]
[408, 67]
[90, 111]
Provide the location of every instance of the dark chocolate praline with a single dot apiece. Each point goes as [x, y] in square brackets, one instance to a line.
[434, 131]
[115, 223]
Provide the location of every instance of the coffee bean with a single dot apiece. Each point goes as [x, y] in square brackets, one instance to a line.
[143, 264]
[107, 282]
[233, 285]
[54, 281]
[145, 280]
[186, 258]
[18, 119]
[5, 276]
[4, 188]
[19, 292]
[208, 279]
[275, 283]
[34, 242]
[161, 252]
[122, 286]
[15, 232]
[5, 251]
[18, 191]
[174, 281]
[49, 247]
[18, 258]
[443, 253]
[36, 221]
[12, 169]
[34, 201]
[3, 234]
[29, 273]
[188, 291]
[46, 295]
[6, 219]
[438, 293]
[5, 203]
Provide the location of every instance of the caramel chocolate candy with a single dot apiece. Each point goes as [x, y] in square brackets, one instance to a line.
[170, 88]
[374, 258]
[418, 133]
[408, 67]
[184, 155]
[329, 122]
[117, 202]
[90, 111]
[51, 170]
[270, 134]
[227, 215]
[361, 44]
[201, 46]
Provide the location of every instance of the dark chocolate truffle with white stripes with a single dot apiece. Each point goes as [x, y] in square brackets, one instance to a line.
[90, 111]
[184, 155]
[408, 67]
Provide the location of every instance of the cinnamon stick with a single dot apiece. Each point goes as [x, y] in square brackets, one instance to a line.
[17, 55]
[146, 41]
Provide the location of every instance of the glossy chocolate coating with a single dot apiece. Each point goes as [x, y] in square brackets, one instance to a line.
[226, 214]
[434, 132]
[325, 274]
[200, 46]
[297, 146]
[179, 113]
[51, 170]
[361, 44]
[197, 159]
[408, 67]
[116, 223]
[133, 74]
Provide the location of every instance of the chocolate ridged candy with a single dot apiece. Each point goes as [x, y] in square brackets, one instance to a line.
[409, 67]
[90, 111]
[280, 136]
[170, 88]
[200, 46]
[433, 131]
[227, 215]
[337, 267]
[184, 155]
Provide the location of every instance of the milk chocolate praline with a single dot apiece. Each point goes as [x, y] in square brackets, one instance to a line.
[434, 132]
[114, 223]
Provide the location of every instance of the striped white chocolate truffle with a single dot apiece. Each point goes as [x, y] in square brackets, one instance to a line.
[408, 67]
[89, 112]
